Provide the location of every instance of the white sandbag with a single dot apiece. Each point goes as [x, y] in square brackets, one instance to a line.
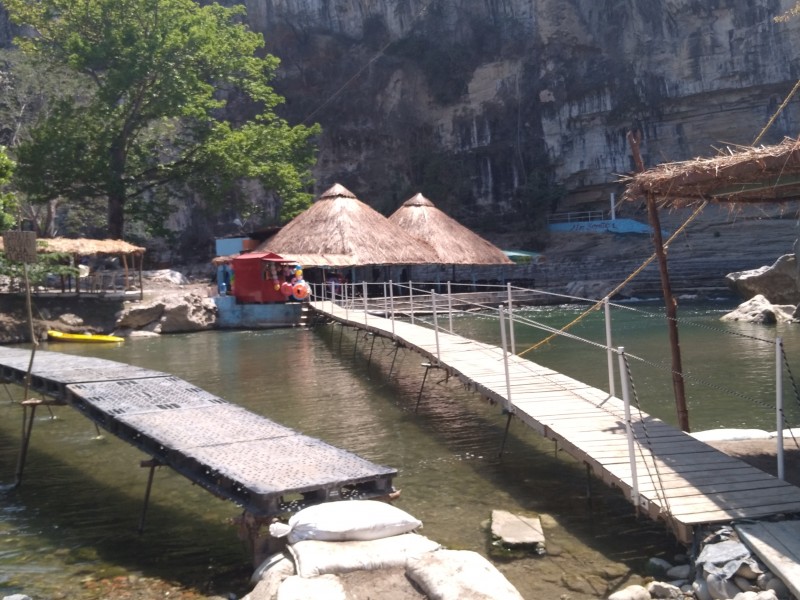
[731, 435]
[346, 520]
[297, 588]
[313, 557]
[459, 575]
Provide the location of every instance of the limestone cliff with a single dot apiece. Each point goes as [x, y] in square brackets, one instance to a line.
[488, 105]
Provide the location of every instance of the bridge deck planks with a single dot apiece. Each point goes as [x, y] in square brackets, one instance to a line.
[679, 479]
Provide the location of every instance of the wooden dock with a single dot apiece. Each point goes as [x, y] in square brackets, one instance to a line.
[260, 465]
[678, 480]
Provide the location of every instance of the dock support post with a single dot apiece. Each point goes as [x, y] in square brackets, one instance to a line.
[428, 367]
[372, 345]
[152, 464]
[628, 429]
[509, 405]
[588, 485]
[435, 325]
[27, 428]
[341, 333]
[609, 349]
[394, 358]
[779, 405]
[505, 436]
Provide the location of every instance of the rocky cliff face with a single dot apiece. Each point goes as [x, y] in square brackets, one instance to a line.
[487, 105]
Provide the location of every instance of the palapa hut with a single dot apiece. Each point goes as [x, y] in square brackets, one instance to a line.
[454, 244]
[744, 175]
[81, 248]
[339, 231]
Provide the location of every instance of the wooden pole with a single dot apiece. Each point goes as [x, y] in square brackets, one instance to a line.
[671, 306]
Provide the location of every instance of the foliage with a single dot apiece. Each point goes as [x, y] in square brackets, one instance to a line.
[47, 265]
[8, 205]
[161, 74]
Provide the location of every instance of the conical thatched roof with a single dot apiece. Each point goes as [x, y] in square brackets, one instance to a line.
[339, 230]
[453, 243]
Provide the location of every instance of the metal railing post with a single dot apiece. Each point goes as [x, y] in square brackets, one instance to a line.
[612, 389]
[391, 303]
[450, 306]
[779, 420]
[435, 324]
[346, 290]
[511, 320]
[364, 293]
[626, 398]
[411, 300]
[509, 405]
[385, 300]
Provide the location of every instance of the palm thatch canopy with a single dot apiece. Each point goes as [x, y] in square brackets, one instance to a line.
[742, 174]
[453, 243]
[339, 230]
[85, 247]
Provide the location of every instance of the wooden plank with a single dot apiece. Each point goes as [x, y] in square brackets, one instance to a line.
[778, 546]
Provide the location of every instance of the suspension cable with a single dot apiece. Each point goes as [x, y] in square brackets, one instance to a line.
[641, 268]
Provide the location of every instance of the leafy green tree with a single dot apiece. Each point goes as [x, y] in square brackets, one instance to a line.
[8, 205]
[161, 74]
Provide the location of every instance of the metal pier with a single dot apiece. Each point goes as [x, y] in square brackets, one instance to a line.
[260, 465]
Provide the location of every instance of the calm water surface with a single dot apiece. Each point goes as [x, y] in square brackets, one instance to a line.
[76, 514]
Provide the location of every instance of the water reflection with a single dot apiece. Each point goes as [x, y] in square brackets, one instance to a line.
[77, 511]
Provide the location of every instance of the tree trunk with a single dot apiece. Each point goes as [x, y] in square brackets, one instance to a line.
[116, 191]
[116, 216]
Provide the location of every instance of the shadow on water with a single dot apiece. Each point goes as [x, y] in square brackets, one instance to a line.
[83, 524]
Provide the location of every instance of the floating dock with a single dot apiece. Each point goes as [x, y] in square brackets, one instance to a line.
[264, 467]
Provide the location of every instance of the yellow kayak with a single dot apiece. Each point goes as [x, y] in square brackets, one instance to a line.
[60, 336]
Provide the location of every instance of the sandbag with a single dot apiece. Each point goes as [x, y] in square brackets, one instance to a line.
[459, 575]
[314, 557]
[346, 520]
[297, 588]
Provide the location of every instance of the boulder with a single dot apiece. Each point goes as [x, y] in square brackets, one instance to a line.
[190, 313]
[759, 310]
[136, 316]
[658, 589]
[632, 592]
[780, 282]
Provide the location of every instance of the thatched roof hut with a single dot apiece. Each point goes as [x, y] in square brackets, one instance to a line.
[86, 247]
[339, 230]
[742, 174]
[453, 243]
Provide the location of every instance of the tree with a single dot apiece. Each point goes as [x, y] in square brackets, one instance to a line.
[152, 117]
[8, 206]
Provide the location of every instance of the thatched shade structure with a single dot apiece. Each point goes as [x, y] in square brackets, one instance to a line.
[339, 230]
[454, 244]
[82, 247]
[745, 174]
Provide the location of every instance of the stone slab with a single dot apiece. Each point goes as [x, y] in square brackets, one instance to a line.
[516, 529]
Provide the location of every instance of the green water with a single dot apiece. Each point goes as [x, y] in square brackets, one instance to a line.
[76, 514]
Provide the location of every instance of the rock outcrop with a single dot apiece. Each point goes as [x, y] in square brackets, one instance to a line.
[176, 314]
[760, 310]
[778, 283]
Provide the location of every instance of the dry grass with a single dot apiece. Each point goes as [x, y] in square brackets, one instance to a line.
[339, 230]
[738, 175]
[85, 247]
[453, 243]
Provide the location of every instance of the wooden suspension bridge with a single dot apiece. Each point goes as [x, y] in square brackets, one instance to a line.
[666, 473]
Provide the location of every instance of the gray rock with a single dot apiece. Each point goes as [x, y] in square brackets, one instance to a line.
[679, 572]
[657, 567]
[136, 316]
[779, 283]
[632, 592]
[759, 310]
[776, 585]
[516, 529]
[191, 313]
[700, 589]
[658, 589]
[721, 588]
